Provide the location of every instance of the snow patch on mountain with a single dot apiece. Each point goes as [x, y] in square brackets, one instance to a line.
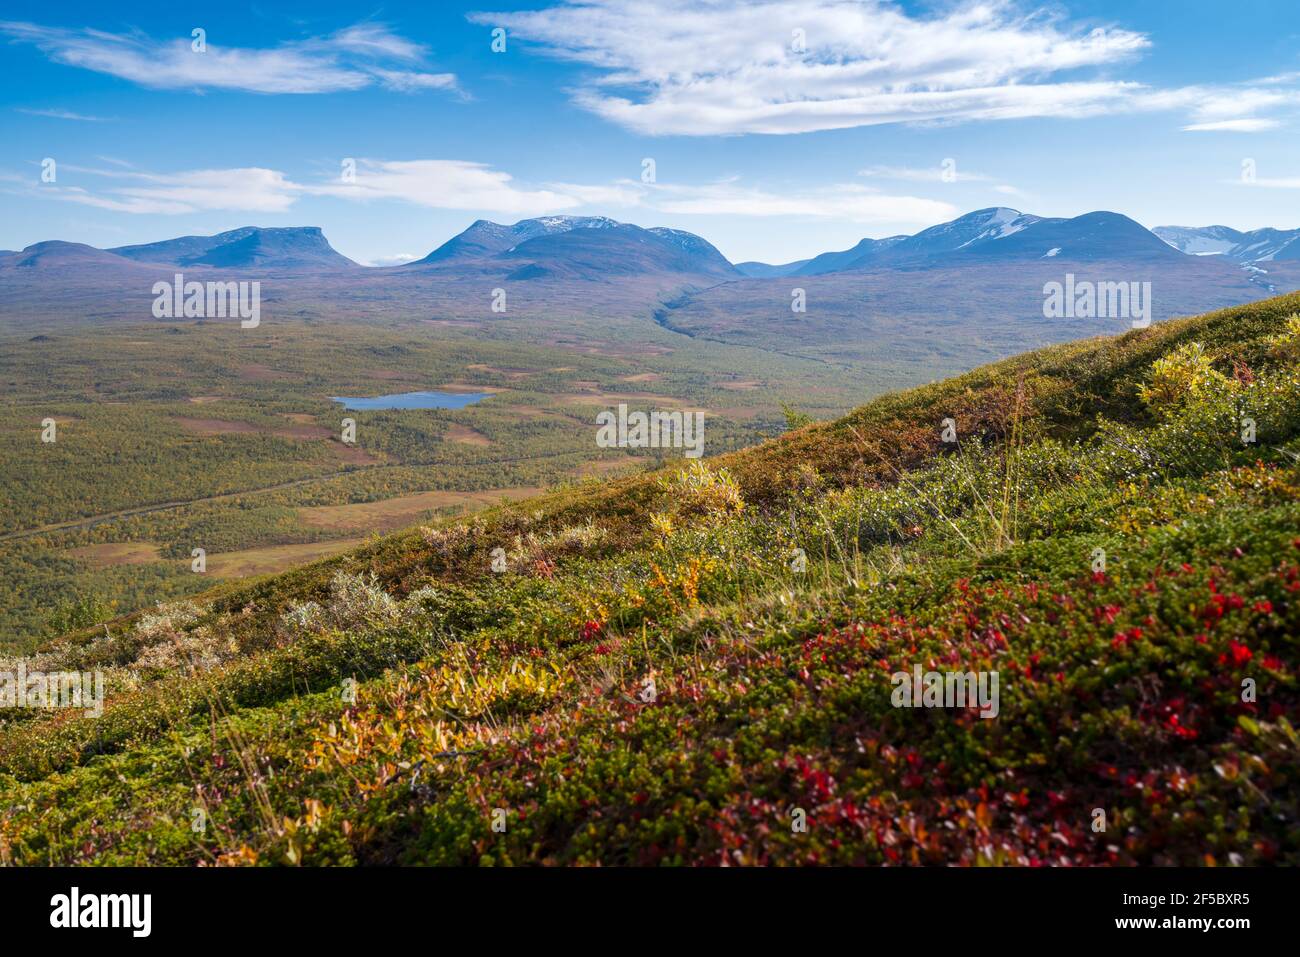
[1001, 222]
[1259, 245]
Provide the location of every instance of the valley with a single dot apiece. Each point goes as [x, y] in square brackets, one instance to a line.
[175, 434]
[191, 434]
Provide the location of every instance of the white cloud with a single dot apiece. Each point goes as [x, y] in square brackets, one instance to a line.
[708, 67]
[475, 187]
[851, 202]
[1292, 182]
[843, 201]
[1231, 110]
[351, 59]
[407, 81]
[942, 174]
[63, 115]
[446, 184]
[251, 189]
[626, 193]
[1291, 77]
[1230, 107]
[438, 184]
[377, 40]
[260, 190]
[727, 66]
[1247, 125]
[396, 259]
[922, 174]
[78, 194]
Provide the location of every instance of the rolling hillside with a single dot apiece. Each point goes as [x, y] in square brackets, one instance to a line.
[698, 665]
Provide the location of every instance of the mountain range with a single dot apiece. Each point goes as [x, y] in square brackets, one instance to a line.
[1256, 246]
[601, 249]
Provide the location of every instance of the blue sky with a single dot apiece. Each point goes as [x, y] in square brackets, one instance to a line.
[777, 130]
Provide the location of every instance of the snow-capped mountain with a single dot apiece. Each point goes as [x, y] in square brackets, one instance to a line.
[1256, 246]
[485, 238]
[577, 247]
[599, 248]
[550, 225]
[973, 229]
[981, 226]
[1200, 241]
[996, 234]
[1092, 237]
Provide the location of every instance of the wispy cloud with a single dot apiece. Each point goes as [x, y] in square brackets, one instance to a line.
[375, 39]
[1232, 110]
[707, 67]
[924, 174]
[947, 172]
[851, 202]
[791, 66]
[437, 184]
[623, 194]
[410, 81]
[1244, 125]
[456, 184]
[1276, 182]
[63, 115]
[249, 189]
[359, 56]
[465, 185]
[445, 184]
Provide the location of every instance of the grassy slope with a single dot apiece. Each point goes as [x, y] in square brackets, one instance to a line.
[522, 691]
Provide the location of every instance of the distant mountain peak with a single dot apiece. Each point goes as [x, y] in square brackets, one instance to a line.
[56, 253]
[995, 233]
[1258, 245]
[1098, 235]
[573, 222]
[997, 222]
[688, 241]
[577, 247]
[272, 247]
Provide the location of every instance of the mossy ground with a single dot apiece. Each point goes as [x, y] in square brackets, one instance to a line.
[1100, 535]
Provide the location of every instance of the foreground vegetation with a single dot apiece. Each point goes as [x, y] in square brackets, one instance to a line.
[683, 667]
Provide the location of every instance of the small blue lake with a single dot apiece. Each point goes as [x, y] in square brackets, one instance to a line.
[413, 400]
